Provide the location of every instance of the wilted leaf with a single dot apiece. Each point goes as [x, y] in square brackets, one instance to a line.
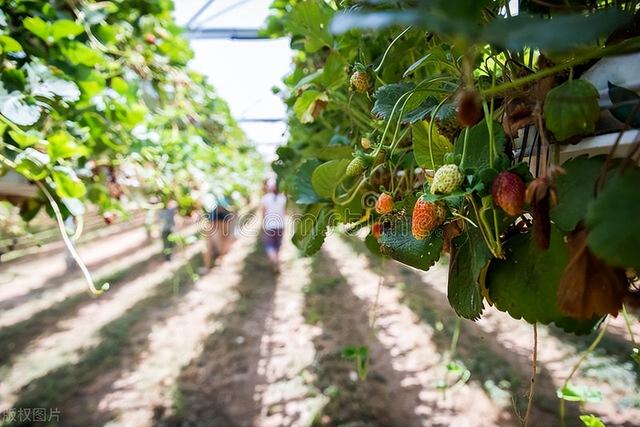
[589, 287]
[309, 105]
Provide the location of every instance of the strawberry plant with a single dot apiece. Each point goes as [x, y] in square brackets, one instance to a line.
[453, 116]
[98, 107]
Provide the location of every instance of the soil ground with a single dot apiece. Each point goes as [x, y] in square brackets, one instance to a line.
[242, 346]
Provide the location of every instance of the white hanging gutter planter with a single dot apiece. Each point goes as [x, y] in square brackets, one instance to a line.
[601, 144]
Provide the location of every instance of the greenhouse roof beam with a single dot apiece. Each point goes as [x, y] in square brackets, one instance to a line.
[262, 120]
[226, 33]
[198, 13]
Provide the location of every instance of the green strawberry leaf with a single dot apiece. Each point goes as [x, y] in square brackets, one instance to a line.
[62, 146]
[32, 164]
[68, 185]
[81, 54]
[564, 31]
[311, 229]
[571, 109]
[311, 19]
[25, 139]
[429, 151]
[38, 27]
[399, 244]
[65, 28]
[575, 190]
[477, 153]
[525, 284]
[591, 421]
[418, 105]
[373, 245]
[612, 220]
[300, 182]
[469, 256]
[327, 176]
[573, 393]
[9, 44]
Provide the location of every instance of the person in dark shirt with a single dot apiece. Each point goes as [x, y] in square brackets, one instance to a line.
[167, 217]
[220, 234]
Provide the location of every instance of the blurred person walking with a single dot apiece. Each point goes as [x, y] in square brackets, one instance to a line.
[273, 206]
[167, 218]
[220, 234]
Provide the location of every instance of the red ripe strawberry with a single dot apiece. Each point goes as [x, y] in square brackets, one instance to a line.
[426, 217]
[384, 204]
[376, 230]
[508, 192]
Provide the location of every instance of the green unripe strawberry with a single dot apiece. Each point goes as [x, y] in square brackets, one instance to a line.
[447, 179]
[356, 166]
[365, 143]
[360, 81]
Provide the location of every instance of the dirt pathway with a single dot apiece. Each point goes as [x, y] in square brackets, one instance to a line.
[244, 347]
[18, 280]
[287, 396]
[414, 354]
[140, 386]
[78, 334]
[608, 370]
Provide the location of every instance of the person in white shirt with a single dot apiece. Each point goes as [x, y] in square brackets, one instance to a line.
[273, 206]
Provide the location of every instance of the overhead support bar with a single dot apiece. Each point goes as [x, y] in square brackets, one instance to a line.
[198, 13]
[225, 33]
[261, 120]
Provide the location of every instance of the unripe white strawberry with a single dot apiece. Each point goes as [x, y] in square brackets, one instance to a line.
[447, 179]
